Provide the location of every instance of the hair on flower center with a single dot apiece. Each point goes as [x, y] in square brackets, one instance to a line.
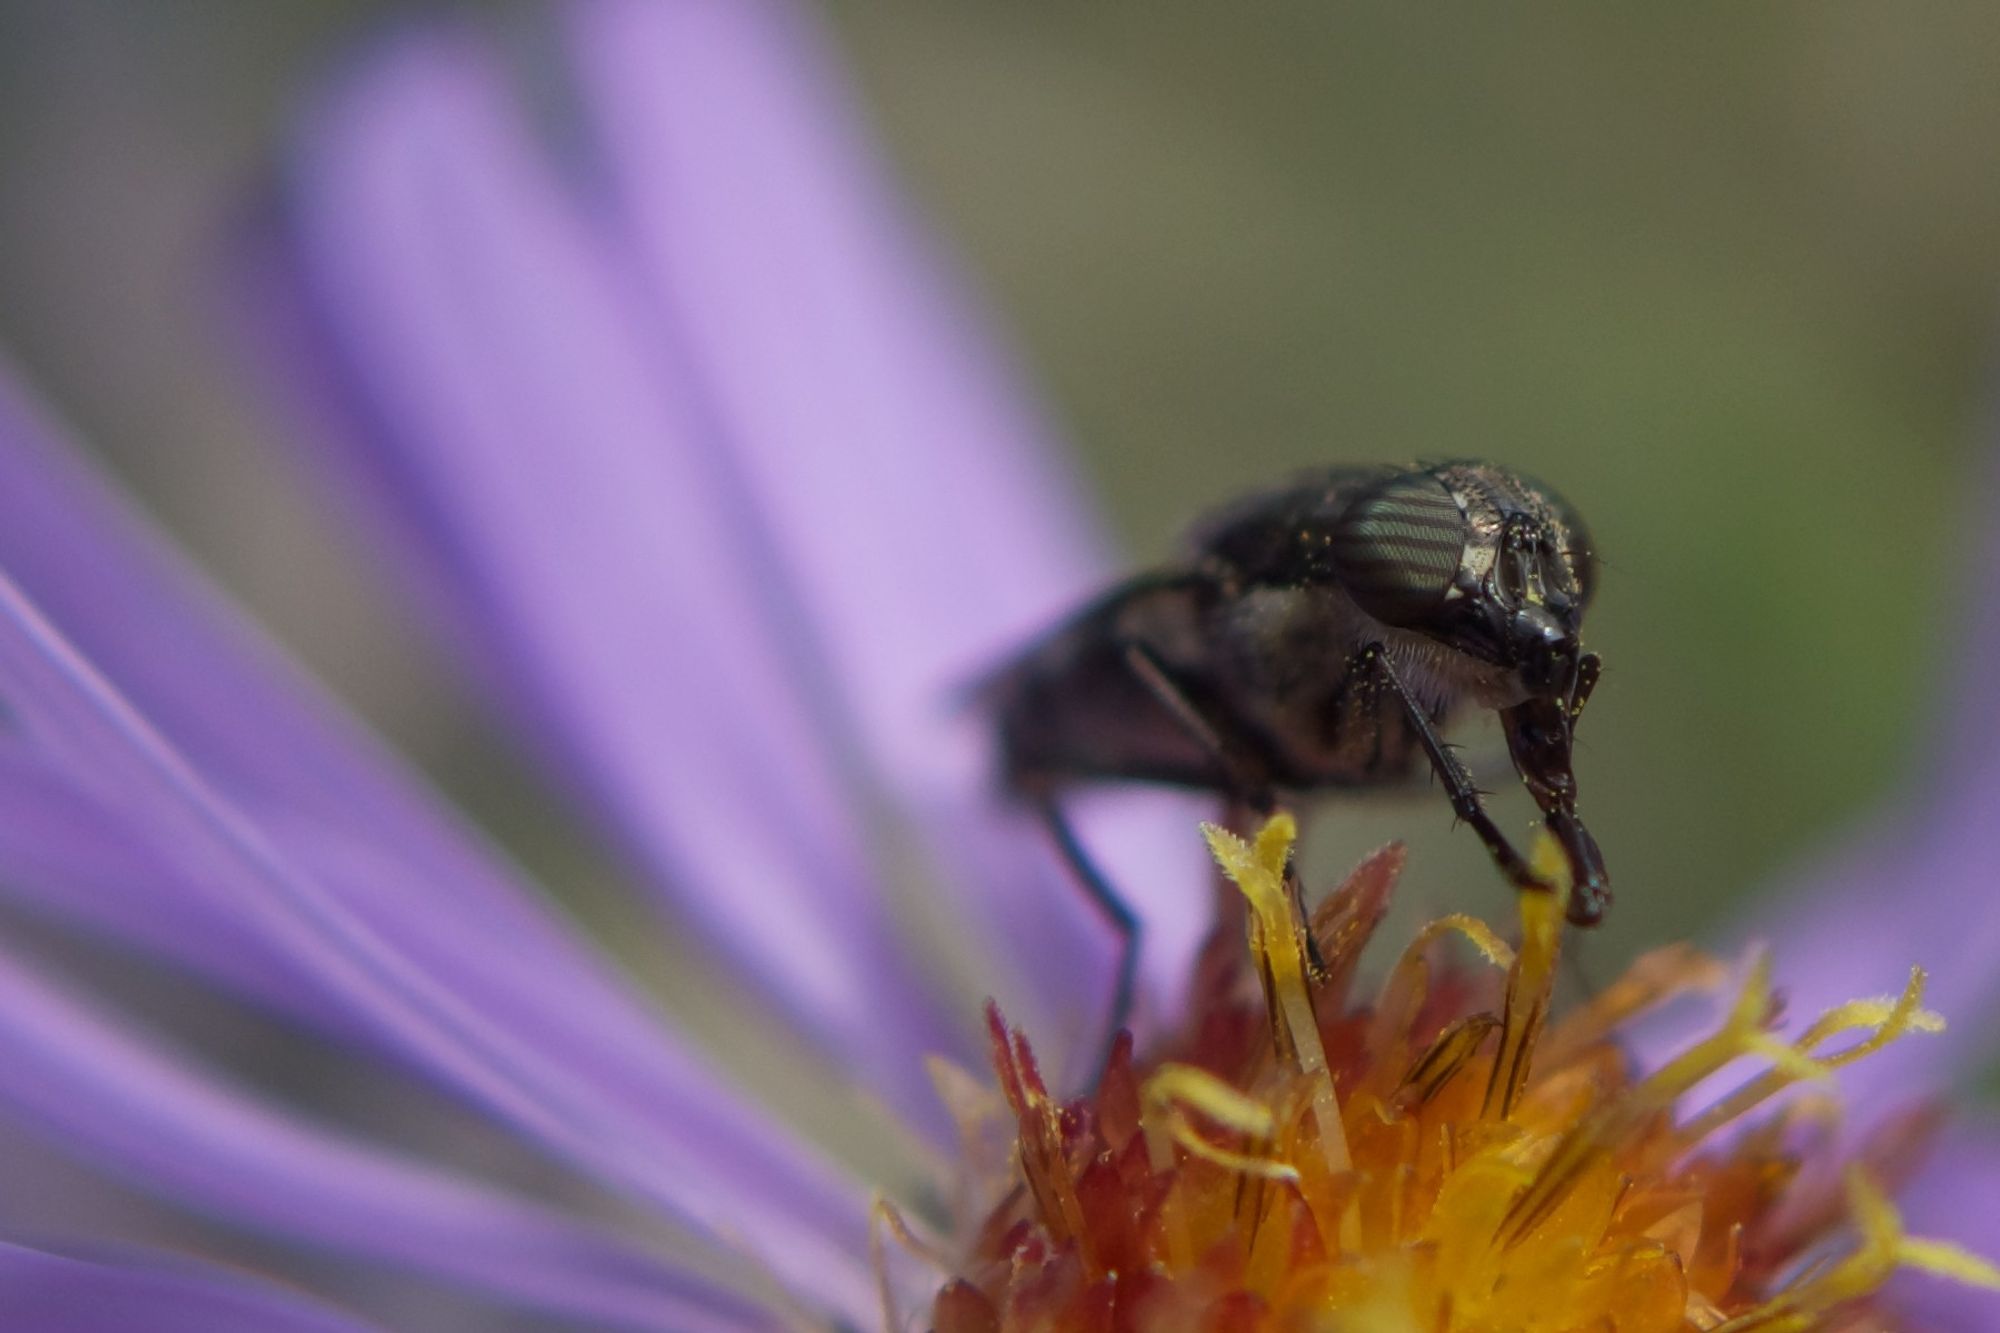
[1441, 1155]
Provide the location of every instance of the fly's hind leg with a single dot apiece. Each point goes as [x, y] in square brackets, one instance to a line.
[1097, 886]
[1117, 913]
[1243, 783]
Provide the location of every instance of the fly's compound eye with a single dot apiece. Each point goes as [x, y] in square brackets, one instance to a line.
[1398, 546]
[1572, 544]
[1576, 552]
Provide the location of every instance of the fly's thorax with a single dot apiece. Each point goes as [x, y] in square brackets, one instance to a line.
[1279, 652]
[1442, 677]
[1474, 577]
[1291, 649]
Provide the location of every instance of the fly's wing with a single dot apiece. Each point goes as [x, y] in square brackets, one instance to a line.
[1258, 538]
[1072, 707]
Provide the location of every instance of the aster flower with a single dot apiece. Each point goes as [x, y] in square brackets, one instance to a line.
[696, 458]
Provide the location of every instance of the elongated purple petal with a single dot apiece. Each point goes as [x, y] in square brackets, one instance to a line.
[914, 499]
[915, 510]
[699, 1156]
[1917, 894]
[219, 693]
[514, 418]
[1966, 733]
[116, 1103]
[339, 807]
[1956, 1198]
[49, 1293]
[1917, 888]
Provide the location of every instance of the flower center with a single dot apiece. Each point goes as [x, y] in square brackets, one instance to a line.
[1440, 1156]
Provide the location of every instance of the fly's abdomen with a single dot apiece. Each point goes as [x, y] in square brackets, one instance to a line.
[1080, 706]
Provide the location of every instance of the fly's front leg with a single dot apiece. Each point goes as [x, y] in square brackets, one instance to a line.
[1373, 662]
[1539, 736]
[1242, 777]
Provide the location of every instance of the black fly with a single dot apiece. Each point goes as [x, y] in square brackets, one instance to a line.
[1321, 636]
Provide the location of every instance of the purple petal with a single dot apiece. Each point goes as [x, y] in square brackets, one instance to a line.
[108, 1098]
[222, 696]
[860, 403]
[1915, 895]
[915, 509]
[699, 1155]
[1917, 887]
[49, 1293]
[514, 419]
[1955, 1198]
[1968, 731]
[339, 807]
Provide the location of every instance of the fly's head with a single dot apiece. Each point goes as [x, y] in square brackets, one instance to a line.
[1485, 562]
[1497, 567]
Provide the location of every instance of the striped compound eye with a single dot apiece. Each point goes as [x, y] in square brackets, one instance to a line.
[1397, 548]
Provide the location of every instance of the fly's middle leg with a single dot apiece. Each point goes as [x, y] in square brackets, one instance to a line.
[1248, 787]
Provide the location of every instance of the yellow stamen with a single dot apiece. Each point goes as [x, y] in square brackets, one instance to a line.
[1883, 1249]
[1443, 1158]
[1884, 1020]
[1175, 1090]
[1278, 941]
[1490, 946]
[1532, 980]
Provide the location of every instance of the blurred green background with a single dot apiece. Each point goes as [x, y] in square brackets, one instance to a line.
[1723, 272]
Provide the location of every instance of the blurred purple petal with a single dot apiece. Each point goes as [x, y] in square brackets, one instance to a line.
[916, 511]
[1955, 1198]
[48, 1293]
[700, 1156]
[219, 693]
[915, 501]
[340, 808]
[109, 1099]
[1918, 887]
[1917, 895]
[515, 420]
